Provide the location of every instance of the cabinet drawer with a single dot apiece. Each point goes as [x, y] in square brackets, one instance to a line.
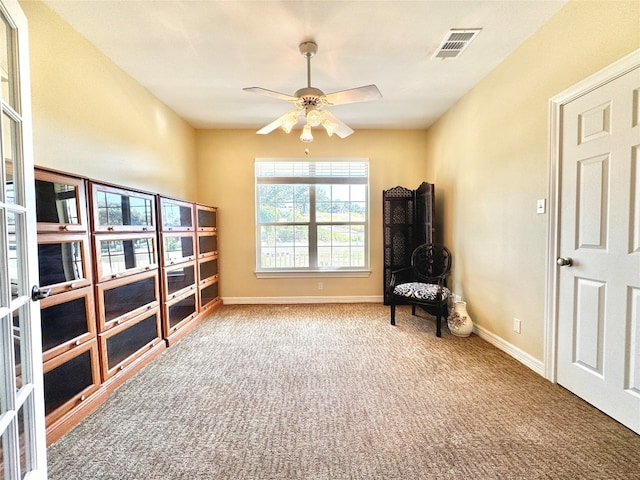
[178, 280]
[61, 202]
[69, 379]
[123, 344]
[176, 215]
[124, 254]
[116, 210]
[67, 320]
[119, 300]
[64, 262]
[177, 248]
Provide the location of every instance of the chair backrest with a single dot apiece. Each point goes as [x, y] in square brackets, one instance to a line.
[431, 262]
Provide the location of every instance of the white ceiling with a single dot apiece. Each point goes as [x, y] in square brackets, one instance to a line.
[196, 56]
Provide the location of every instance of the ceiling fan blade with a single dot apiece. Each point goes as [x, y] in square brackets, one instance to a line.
[360, 94]
[273, 125]
[343, 129]
[271, 93]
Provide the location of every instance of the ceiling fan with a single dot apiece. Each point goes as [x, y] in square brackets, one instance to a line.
[309, 104]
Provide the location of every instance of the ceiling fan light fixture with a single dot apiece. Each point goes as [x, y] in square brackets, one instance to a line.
[289, 121]
[314, 117]
[306, 135]
[329, 126]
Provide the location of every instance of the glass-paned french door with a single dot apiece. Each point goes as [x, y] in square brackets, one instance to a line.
[22, 430]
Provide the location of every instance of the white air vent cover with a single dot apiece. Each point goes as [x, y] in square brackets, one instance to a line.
[455, 41]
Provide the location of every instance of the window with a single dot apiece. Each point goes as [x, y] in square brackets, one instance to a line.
[312, 216]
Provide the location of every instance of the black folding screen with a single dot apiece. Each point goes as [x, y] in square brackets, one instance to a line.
[407, 217]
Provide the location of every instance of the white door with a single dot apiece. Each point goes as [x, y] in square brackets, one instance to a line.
[22, 428]
[599, 282]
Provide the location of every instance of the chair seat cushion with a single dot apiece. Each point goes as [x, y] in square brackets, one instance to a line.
[420, 291]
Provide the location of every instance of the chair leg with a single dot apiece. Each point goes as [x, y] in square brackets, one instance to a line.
[413, 310]
[393, 314]
[438, 329]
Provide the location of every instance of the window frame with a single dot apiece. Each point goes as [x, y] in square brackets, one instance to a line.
[357, 165]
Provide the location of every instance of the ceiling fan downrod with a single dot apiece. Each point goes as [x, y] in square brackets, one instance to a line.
[308, 50]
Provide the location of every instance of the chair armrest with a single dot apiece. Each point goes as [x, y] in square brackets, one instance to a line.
[400, 276]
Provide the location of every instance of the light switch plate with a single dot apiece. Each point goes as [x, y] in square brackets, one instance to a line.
[541, 206]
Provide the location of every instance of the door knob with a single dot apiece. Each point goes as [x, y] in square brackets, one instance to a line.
[38, 293]
[564, 261]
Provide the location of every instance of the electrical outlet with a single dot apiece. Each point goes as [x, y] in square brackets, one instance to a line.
[516, 325]
[320, 285]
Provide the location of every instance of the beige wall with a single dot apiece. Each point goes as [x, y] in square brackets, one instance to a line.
[226, 179]
[488, 157]
[92, 119]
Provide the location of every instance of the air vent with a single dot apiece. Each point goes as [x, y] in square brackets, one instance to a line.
[455, 41]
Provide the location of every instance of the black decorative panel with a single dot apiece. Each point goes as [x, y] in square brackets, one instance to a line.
[127, 342]
[181, 310]
[208, 269]
[207, 244]
[407, 217]
[67, 380]
[63, 322]
[128, 297]
[60, 262]
[180, 278]
[208, 294]
[206, 218]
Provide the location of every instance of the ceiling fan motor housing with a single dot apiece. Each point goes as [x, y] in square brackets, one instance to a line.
[309, 96]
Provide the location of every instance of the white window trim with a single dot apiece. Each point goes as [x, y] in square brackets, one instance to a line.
[346, 272]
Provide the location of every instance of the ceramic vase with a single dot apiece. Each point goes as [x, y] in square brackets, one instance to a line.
[459, 322]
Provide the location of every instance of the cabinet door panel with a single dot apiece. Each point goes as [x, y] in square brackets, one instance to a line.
[208, 294]
[183, 309]
[126, 254]
[207, 218]
[123, 344]
[208, 269]
[177, 248]
[115, 209]
[67, 320]
[64, 262]
[61, 203]
[178, 280]
[207, 244]
[176, 215]
[69, 379]
[125, 298]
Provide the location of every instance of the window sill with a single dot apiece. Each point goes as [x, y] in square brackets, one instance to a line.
[314, 274]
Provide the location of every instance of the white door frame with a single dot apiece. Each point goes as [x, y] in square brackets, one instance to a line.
[556, 104]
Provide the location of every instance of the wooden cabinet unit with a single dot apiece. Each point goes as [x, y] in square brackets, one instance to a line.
[179, 221]
[129, 273]
[208, 277]
[72, 379]
[127, 279]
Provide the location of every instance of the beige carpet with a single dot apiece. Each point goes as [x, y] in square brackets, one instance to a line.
[335, 392]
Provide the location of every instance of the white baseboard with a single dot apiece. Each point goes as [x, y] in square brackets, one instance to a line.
[295, 300]
[523, 357]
